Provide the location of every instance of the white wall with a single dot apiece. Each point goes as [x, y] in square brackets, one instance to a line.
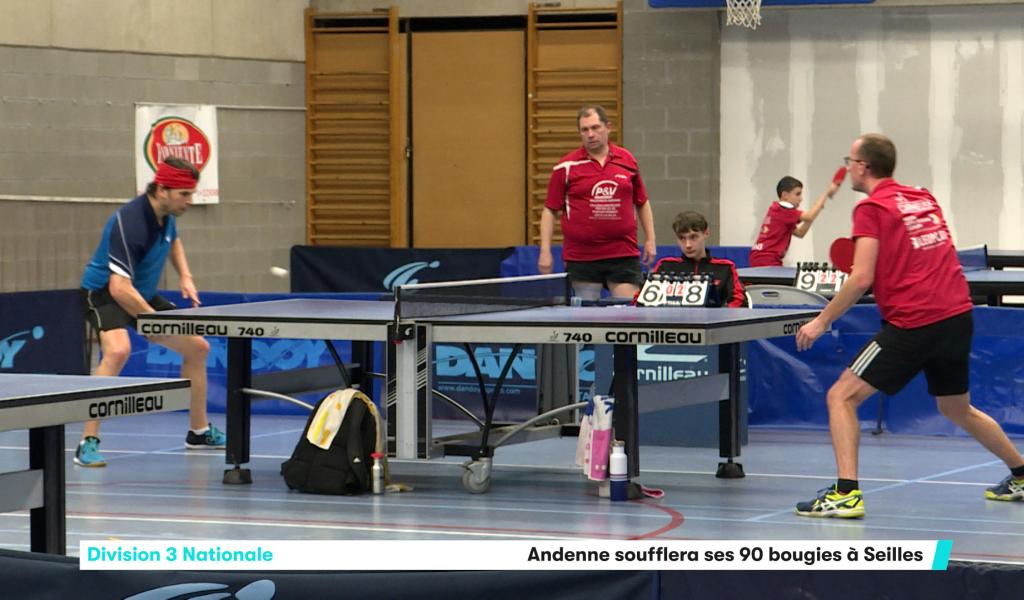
[945, 83]
[262, 29]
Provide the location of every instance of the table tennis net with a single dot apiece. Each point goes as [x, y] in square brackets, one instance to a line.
[475, 296]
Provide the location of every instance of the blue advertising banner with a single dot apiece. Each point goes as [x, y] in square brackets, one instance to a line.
[454, 376]
[42, 332]
[330, 269]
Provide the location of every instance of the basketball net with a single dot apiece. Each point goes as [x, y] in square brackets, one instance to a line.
[743, 12]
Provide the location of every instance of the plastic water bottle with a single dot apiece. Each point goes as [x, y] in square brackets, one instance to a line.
[377, 473]
[617, 471]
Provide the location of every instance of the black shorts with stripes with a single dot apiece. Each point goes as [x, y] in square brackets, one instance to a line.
[894, 356]
[105, 314]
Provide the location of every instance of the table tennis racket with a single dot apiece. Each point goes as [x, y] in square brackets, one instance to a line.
[839, 176]
[841, 254]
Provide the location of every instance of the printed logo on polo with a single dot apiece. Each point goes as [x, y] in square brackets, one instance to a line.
[912, 206]
[177, 137]
[916, 223]
[404, 274]
[12, 344]
[604, 190]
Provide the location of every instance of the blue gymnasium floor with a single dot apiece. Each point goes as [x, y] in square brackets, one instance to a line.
[152, 488]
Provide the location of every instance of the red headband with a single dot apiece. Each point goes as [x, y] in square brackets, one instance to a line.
[175, 178]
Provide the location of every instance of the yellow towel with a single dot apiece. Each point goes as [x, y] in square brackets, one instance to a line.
[328, 418]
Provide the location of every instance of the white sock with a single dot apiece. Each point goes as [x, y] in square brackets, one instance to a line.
[200, 431]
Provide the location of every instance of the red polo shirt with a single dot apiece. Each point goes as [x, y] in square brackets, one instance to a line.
[776, 232]
[918, 278]
[597, 203]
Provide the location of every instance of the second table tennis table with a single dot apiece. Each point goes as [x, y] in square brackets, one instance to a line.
[409, 350]
[43, 404]
[992, 284]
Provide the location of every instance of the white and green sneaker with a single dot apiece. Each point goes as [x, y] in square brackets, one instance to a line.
[830, 503]
[1008, 489]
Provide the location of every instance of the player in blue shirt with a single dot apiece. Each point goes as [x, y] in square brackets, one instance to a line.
[120, 282]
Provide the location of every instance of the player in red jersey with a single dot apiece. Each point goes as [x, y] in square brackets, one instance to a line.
[927, 326]
[599, 191]
[784, 220]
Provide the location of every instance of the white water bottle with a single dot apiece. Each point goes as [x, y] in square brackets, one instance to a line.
[617, 469]
[377, 473]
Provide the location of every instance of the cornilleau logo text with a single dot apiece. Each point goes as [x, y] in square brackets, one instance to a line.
[129, 405]
[791, 328]
[404, 274]
[654, 336]
[183, 329]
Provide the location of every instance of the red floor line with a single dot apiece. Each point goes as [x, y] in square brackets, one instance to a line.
[676, 520]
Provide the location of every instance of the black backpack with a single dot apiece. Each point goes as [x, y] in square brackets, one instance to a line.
[344, 467]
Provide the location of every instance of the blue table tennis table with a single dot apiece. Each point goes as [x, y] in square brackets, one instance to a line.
[409, 350]
[992, 284]
[43, 404]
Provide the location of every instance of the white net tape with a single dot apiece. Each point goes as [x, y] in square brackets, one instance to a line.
[743, 12]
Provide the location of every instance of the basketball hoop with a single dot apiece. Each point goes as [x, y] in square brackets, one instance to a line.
[743, 12]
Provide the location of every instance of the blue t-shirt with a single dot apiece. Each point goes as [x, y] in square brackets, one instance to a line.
[133, 245]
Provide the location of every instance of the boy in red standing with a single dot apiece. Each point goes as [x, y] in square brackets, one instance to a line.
[785, 220]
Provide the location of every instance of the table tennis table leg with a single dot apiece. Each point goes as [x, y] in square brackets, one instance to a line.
[729, 414]
[239, 410]
[408, 380]
[626, 415]
[46, 453]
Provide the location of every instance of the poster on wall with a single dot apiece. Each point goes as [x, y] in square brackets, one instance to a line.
[187, 131]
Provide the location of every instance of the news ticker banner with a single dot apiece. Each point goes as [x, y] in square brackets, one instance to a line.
[532, 555]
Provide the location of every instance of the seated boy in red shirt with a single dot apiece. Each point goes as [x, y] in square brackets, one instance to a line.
[692, 233]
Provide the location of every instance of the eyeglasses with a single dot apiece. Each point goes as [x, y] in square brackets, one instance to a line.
[847, 160]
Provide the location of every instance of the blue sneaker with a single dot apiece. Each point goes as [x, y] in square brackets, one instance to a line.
[88, 453]
[1008, 489]
[211, 438]
[830, 503]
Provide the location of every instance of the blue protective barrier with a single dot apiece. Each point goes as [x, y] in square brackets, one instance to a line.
[788, 388]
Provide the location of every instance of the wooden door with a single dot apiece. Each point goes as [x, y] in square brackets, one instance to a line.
[468, 139]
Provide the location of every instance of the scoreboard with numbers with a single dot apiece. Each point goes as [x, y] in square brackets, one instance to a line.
[675, 290]
[820, 278]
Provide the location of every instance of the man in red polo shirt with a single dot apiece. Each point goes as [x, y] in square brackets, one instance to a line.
[599, 191]
[926, 311]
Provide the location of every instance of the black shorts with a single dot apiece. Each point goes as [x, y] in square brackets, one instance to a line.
[105, 314]
[894, 356]
[610, 270]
